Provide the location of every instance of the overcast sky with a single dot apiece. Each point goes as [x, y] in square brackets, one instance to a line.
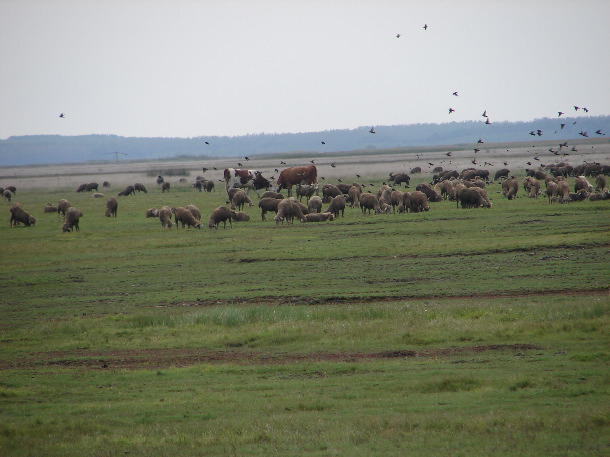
[220, 67]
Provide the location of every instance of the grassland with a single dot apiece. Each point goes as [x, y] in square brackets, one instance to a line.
[453, 332]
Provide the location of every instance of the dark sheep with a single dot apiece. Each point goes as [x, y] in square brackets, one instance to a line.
[473, 197]
[269, 204]
[73, 216]
[129, 190]
[600, 183]
[510, 187]
[431, 194]
[49, 208]
[271, 194]
[344, 188]
[538, 174]
[220, 214]
[314, 205]
[437, 170]
[92, 186]
[160, 180]
[582, 183]
[370, 202]
[318, 217]
[307, 191]
[62, 208]
[20, 216]
[288, 210]
[400, 178]
[418, 202]
[579, 196]
[165, 187]
[111, 207]
[239, 199]
[13, 189]
[106, 184]
[502, 174]
[396, 199]
[139, 187]
[81, 188]
[415, 170]
[330, 191]
[152, 212]
[194, 211]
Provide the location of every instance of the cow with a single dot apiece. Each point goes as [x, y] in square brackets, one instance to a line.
[296, 175]
[245, 179]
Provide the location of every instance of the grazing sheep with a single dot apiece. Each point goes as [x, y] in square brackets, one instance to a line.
[152, 212]
[194, 211]
[81, 188]
[330, 191]
[431, 194]
[97, 195]
[7, 195]
[239, 216]
[160, 180]
[73, 216]
[20, 215]
[139, 187]
[185, 217]
[551, 190]
[370, 202]
[563, 191]
[62, 208]
[510, 187]
[271, 194]
[92, 186]
[400, 178]
[418, 202]
[13, 189]
[204, 184]
[111, 207]
[239, 199]
[532, 186]
[582, 183]
[396, 198]
[49, 208]
[415, 170]
[270, 204]
[314, 205]
[129, 190]
[384, 206]
[220, 214]
[600, 183]
[288, 210]
[165, 216]
[106, 184]
[318, 217]
[473, 197]
[165, 187]
[354, 196]
[538, 174]
[307, 191]
[336, 206]
[502, 173]
[344, 188]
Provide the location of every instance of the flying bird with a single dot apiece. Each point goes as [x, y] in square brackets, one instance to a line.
[480, 141]
[451, 110]
[562, 126]
[425, 27]
[576, 108]
[539, 132]
[448, 154]
[564, 144]
[484, 113]
[583, 133]
[372, 130]
[585, 110]
[559, 113]
[574, 149]
[398, 35]
[204, 169]
[505, 164]
[282, 162]
[62, 115]
[247, 158]
[357, 175]
[529, 163]
[311, 160]
[455, 93]
[207, 142]
[339, 179]
[476, 150]
[323, 142]
[599, 132]
[487, 121]
[431, 164]
[533, 133]
[239, 164]
[333, 165]
[474, 161]
[277, 171]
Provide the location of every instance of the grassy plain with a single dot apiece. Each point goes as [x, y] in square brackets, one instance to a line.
[454, 332]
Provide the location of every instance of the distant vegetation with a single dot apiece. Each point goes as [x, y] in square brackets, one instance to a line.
[48, 149]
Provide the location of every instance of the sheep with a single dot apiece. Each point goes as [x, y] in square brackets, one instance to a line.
[240, 198]
[160, 180]
[165, 216]
[185, 217]
[111, 207]
[344, 188]
[318, 217]
[204, 184]
[431, 194]
[239, 216]
[605, 195]
[582, 183]
[418, 202]
[97, 195]
[600, 183]
[269, 204]
[400, 178]
[92, 186]
[194, 211]
[472, 197]
[563, 191]
[106, 185]
[314, 205]
[129, 190]
[7, 195]
[301, 206]
[510, 187]
[13, 189]
[20, 215]
[579, 196]
[551, 190]
[49, 208]
[306, 191]
[139, 187]
[287, 210]
[502, 173]
[220, 214]
[271, 194]
[165, 187]
[152, 212]
[354, 195]
[532, 186]
[81, 188]
[415, 170]
[336, 206]
[73, 216]
[384, 206]
[385, 191]
[62, 208]
[370, 202]
[329, 191]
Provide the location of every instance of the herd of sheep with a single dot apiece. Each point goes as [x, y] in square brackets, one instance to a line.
[467, 188]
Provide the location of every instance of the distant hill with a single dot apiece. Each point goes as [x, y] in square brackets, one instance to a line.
[52, 149]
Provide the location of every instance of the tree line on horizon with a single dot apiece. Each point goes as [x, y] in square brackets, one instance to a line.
[52, 149]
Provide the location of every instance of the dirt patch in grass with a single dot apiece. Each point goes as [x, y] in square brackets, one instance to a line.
[167, 358]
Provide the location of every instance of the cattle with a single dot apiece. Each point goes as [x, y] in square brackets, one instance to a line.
[245, 179]
[296, 175]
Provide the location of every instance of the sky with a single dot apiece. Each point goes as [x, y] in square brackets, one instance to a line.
[178, 68]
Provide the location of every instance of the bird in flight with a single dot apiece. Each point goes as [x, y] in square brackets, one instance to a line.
[425, 27]
[333, 165]
[448, 154]
[62, 115]
[599, 132]
[583, 133]
[559, 113]
[484, 113]
[247, 158]
[451, 110]
[562, 126]
[323, 142]
[339, 179]
[357, 175]
[480, 141]
[476, 150]
[398, 35]
[474, 161]
[533, 133]
[505, 164]
[576, 108]
[204, 169]
[487, 121]
[585, 110]
[207, 142]
[239, 164]
[282, 162]
[455, 93]
[372, 130]
[539, 132]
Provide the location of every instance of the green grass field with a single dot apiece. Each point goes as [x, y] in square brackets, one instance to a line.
[453, 332]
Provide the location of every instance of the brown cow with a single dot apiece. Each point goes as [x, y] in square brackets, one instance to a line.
[296, 175]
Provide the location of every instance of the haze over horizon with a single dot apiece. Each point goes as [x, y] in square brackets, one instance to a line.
[193, 69]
